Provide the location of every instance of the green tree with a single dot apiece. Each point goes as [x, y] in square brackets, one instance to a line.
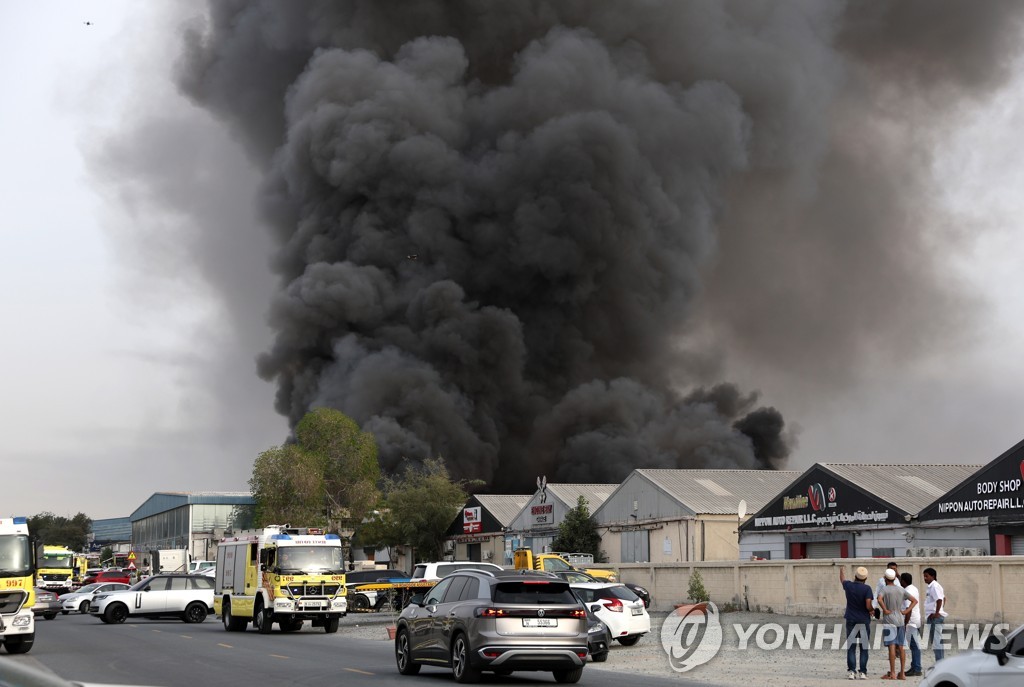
[416, 510]
[107, 556]
[578, 532]
[56, 530]
[696, 591]
[327, 477]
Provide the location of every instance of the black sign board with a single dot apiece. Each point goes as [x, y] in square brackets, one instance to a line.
[482, 520]
[819, 499]
[995, 491]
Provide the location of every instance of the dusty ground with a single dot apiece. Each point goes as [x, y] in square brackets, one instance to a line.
[732, 666]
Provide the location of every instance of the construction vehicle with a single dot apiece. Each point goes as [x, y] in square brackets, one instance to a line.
[17, 592]
[526, 559]
[56, 569]
[280, 574]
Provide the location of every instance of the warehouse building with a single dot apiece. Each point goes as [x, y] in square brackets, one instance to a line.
[536, 525]
[478, 532]
[194, 521]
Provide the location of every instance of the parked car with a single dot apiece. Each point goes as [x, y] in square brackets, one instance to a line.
[15, 673]
[177, 595]
[1000, 663]
[79, 601]
[113, 575]
[367, 599]
[47, 604]
[435, 571]
[475, 621]
[577, 576]
[599, 637]
[617, 607]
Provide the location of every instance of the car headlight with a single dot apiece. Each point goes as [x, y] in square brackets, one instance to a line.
[595, 628]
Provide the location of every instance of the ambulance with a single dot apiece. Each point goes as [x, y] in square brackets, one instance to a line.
[17, 595]
[280, 574]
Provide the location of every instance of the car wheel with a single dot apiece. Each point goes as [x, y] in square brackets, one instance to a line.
[403, 655]
[331, 625]
[629, 640]
[360, 602]
[569, 676]
[262, 620]
[461, 669]
[20, 644]
[195, 612]
[49, 616]
[599, 658]
[63, 612]
[116, 613]
[83, 607]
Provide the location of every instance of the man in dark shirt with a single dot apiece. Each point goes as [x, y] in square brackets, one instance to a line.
[858, 621]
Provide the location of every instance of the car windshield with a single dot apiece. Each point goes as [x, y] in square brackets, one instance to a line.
[534, 592]
[14, 555]
[88, 587]
[306, 559]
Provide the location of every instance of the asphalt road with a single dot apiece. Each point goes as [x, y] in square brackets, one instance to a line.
[170, 653]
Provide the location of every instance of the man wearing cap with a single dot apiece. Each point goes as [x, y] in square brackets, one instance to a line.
[858, 621]
[881, 585]
[890, 601]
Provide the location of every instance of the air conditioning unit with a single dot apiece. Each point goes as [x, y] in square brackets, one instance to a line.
[974, 552]
[449, 546]
[488, 555]
[954, 551]
[915, 552]
[936, 552]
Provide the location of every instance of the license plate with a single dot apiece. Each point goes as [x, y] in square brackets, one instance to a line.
[312, 604]
[540, 622]
[638, 611]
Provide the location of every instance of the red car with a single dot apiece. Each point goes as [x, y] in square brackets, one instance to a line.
[108, 576]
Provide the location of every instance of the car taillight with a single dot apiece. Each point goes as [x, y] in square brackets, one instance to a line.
[614, 605]
[491, 613]
[578, 613]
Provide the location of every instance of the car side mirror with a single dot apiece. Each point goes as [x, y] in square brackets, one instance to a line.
[416, 600]
[996, 646]
[596, 607]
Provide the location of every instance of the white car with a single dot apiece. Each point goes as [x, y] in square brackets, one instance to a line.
[178, 595]
[622, 611]
[435, 571]
[80, 600]
[999, 664]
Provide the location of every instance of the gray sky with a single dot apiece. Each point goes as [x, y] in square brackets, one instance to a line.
[129, 344]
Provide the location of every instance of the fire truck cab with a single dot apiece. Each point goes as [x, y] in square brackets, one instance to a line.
[280, 574]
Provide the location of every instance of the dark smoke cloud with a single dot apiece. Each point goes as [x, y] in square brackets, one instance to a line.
[506, 229]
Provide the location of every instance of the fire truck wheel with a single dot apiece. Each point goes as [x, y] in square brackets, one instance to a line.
[195, 612]
[331, 625]
[20, 644]
[262, 619]
[291, 626]
[116, 613]
[403, 655]
[50, 616]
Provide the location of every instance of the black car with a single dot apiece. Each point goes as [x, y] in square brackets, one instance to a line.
[599, 637]
[577, 576]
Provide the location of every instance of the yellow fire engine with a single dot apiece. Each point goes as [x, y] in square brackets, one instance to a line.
[280, 574]
[17, 595]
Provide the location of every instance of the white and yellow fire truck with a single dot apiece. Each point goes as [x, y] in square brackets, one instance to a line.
[17, 595]
[280, 574]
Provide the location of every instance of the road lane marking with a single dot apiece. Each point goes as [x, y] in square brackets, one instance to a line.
[226, 646]
[278, 656]
[185, 636]
[361, 672]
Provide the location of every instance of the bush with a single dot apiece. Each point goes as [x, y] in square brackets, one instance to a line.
[696, 591]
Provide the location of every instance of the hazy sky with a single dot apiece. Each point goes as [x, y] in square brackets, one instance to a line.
[129, 360]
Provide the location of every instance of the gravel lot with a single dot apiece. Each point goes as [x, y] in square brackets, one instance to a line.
[732, 666]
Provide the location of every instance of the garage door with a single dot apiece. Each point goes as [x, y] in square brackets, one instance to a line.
[825, 549]
[1017, 545]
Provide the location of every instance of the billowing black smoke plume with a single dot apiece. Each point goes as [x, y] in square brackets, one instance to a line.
[497, 221]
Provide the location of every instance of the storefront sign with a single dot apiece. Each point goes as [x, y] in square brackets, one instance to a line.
[997, 489]
[543, 514]
[471, 520]
[821, 500]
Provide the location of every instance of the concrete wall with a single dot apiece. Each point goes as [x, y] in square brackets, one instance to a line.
[982, 589]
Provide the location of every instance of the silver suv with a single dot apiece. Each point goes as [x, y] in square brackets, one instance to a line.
[189, 597]
[474, 621]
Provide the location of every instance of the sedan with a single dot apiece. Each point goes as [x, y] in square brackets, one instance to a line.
[618, 608]
[79, 601]
[1000, 663]
[571, 576]
[47, 604]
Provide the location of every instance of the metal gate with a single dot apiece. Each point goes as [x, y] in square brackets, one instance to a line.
[1017, 545]
[825, 549]
[636, 546]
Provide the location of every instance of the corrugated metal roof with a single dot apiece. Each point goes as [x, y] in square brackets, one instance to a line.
[163, 501]
[504, 507]
[595, 494]
[719, 492]
[907, 487]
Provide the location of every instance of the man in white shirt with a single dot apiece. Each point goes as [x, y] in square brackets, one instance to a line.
[934, 613]
[913, 625]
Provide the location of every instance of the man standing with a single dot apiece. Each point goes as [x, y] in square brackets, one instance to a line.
[890, 601]
[935, 615]
[881, 585]
[858, 621]
[913, 615]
